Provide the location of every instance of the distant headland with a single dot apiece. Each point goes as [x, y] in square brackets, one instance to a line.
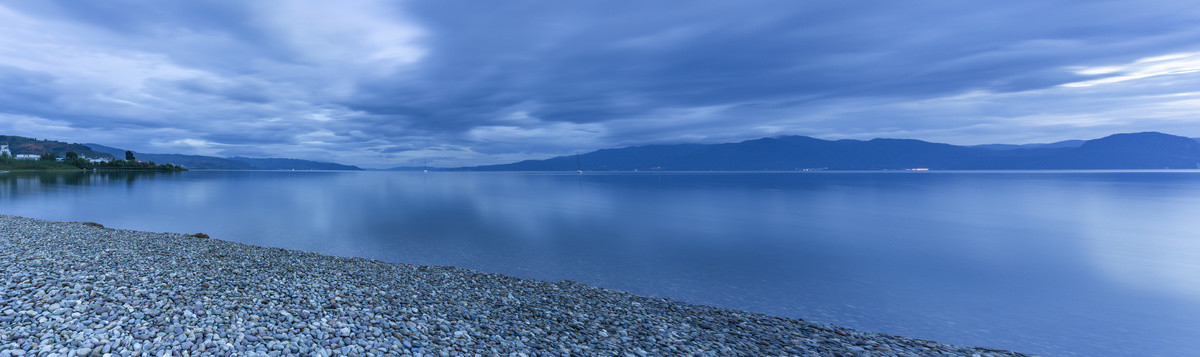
[33, 154]
[1146, 150]
[25, 154]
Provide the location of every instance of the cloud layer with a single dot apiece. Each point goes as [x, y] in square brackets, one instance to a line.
[381, 83]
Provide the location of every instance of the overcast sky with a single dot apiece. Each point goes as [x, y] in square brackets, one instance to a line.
[388, 83]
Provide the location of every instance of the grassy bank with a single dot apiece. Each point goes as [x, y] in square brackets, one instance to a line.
[11, 164]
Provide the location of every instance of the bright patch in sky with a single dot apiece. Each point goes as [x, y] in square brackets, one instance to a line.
[1182, 63]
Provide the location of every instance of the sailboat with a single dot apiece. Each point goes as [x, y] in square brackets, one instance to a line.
[578, 164]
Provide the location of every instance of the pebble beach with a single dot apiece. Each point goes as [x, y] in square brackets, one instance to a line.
[81, 289]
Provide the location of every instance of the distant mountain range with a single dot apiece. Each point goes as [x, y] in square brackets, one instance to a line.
[1148, 150]
[1060, 144]
[291, 164]
[232, 163]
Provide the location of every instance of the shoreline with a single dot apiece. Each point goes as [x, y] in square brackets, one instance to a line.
[83, 290]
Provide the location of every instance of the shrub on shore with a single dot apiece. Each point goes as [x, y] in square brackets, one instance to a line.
[9, 163]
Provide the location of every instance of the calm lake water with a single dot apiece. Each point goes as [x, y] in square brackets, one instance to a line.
[1054, 263]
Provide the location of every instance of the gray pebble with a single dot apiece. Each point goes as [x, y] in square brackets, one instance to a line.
[77, 290]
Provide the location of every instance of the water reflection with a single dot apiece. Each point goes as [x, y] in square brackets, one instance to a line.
[37, 183]
[1054, 263]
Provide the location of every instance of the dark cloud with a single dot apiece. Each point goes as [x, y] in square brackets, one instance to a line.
[599, 61]
[243, 92]
[25, 92]
[382, 84]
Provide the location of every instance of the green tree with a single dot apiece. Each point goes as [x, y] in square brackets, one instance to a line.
[48, 156]
[72, 155]
[129, 156]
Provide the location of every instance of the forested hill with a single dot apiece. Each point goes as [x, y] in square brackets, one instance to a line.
[21, 145]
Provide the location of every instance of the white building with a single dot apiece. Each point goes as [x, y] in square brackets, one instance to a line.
[95, 160]
[4, 150]
[28, 157]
